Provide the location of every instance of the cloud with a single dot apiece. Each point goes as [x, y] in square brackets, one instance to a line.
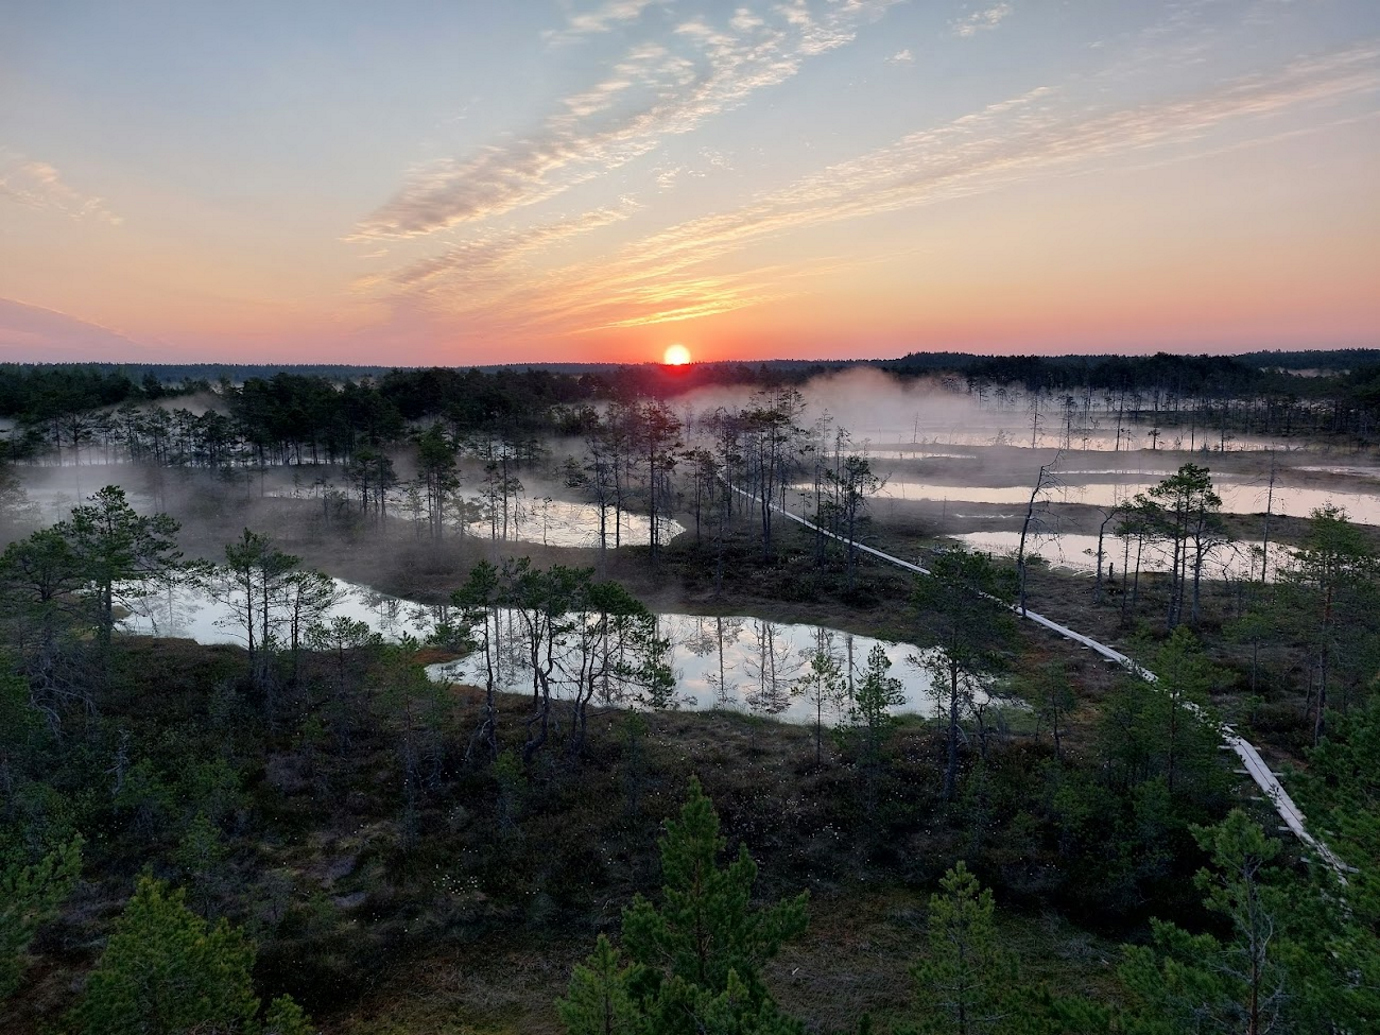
[660, 89]
[30, 333]
[670, 275]
[1013, 139]
[980, 20]
[601, 19]
[710, 161]
[902, 57]
[484, 262]
[38, 185]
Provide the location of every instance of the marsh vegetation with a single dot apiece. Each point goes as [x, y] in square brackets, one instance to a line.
[358, 705]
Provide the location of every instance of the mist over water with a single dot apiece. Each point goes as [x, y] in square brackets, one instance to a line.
[924, 417]
[555, 522]
[1284, 501]
[959, 462]
[548, 521]
[1078, 552]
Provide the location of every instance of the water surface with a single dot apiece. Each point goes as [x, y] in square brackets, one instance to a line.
[736, 662]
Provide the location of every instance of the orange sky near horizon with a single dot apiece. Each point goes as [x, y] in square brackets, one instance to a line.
[594, 181]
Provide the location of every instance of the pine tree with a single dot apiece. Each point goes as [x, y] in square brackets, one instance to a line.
[965, 606]
[1184, 510]
[1051, 692]
[966, 973]
[165, 970]
[822, 685]
[696, 962]
[30, 894]
[285, 1017]
[600, 1000]
[876, 694]
[706, 927]
[1330, 593]
[1241, 984]
[120, 551]
[869, 718]
[1186, 675]
[1342, 789]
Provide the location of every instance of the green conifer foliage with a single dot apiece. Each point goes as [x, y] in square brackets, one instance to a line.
[1342, 788]
[600, 999]
[696, 962]
[966, 975]
[285, 1017]
[964, 608]
[119, 550]
[1243, 982]
[706, 926]
[165, 970]
[29, 896]
[877, 693]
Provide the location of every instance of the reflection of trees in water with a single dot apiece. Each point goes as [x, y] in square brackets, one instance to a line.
[662, 652]
[386, 611]
[423, 618]
[613, 686]
[739, 670]
[819, 662]
[606, 657]
[772, 668]
[607, 645]
[726, 634]
[698, 636]
[168, 609]
[562, 523]
[716, 639]
[500, 512]
[510, 660]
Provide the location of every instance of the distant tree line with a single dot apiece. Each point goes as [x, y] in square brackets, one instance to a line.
[1278, 394]
[286, 416]
[32, 394]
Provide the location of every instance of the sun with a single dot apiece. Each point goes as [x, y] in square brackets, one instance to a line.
[676, 356]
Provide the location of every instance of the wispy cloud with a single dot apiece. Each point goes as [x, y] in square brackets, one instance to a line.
[602, 19]
[667, 276]
[1017, 139]
[667, 176]
[661, 88]
[980, 20]
[31, 333]
[38, 185]
[902, 57]
[486, 261]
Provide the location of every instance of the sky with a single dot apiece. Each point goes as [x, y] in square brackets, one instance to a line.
[486, 181]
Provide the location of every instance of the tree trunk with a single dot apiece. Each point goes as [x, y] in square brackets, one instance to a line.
[951, 769]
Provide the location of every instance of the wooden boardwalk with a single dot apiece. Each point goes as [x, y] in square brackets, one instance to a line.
[1254, 765]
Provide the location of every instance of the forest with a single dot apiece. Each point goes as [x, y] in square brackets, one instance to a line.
[709, 700]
